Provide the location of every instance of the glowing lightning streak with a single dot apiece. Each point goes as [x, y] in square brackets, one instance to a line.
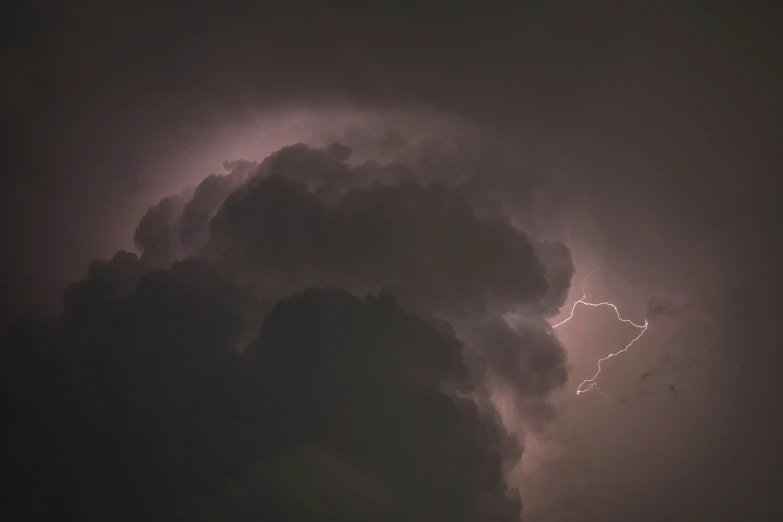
[589, 384]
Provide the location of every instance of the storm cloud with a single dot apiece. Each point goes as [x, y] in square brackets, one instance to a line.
[644, 139]
[306, 217]
[137, 404]
[303, 337]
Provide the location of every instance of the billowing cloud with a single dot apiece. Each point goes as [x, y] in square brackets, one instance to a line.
[308, 337]
[136, 403]
[307, 216]
[421, 241]
[312, 217]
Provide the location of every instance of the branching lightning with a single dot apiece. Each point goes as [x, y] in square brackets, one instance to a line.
[590, 384]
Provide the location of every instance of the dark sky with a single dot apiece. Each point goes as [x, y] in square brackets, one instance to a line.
[644, 137]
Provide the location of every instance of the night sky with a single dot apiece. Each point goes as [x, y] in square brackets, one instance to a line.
[300, 262]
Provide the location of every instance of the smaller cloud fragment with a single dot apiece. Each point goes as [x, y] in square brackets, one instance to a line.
[658, 306]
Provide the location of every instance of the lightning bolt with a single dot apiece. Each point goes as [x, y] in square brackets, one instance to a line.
[590, 384]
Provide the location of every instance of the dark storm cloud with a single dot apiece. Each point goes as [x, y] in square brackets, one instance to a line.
[209, 378]
[156, 233]
[136, 404]
[306, 218]
[177, 225]
[422, 241]
[524, 359]
[309, 217]
[496, 176]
